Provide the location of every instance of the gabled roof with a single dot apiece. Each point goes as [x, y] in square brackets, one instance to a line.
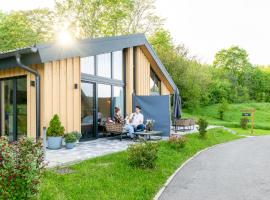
[42, 53]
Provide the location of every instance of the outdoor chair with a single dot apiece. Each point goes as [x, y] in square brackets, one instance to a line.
[116, 129]
[186, 124]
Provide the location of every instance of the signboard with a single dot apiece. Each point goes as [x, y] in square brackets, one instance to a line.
[249, 113]
[246, 114]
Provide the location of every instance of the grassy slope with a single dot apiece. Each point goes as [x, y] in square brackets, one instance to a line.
[110, 177]
[233, 115]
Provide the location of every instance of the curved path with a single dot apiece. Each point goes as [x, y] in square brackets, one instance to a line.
[238, 170]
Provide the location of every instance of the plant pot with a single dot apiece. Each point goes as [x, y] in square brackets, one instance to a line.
[70, 145]
[54, 143]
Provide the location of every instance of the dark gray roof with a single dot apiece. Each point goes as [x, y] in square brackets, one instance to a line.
[42, 53]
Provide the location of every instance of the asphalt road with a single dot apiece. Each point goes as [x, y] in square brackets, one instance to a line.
[238, 170]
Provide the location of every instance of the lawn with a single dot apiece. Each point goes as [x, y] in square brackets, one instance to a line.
[111, 177]
[233, 115]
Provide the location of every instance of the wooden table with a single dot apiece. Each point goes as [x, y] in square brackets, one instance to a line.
[147, 134]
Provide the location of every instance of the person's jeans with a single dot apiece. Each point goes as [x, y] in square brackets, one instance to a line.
[130, 130]
[140, 127]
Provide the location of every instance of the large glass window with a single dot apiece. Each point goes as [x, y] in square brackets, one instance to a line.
[118, 65]
[104, 65]
[13, 108]
[155, 84]
[104, 105]
[87, 111]
[88, 65]
[118, 98]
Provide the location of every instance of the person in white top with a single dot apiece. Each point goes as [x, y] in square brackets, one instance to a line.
[136, 120]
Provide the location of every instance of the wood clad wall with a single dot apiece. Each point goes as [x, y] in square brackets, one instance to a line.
[60, 95]
[31, 94]
[156, 69]
[142, 73]
[164, 89]
[129, 78]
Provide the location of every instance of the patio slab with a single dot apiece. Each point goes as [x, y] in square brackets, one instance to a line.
[85, 150]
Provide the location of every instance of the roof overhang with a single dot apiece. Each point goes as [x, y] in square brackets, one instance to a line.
[43, 53]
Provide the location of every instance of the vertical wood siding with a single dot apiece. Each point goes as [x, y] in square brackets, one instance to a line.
[60, 95]
[31, 94]
[129, 79]
[142, 73]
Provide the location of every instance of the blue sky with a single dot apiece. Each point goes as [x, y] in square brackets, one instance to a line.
[204, 26]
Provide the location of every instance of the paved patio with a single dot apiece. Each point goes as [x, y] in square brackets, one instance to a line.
[94, 148]
[86, 150]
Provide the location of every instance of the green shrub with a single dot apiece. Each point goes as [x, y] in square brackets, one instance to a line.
[143, 155]
[55, 128]
[244, 122]
[77, 134]
[70, 137]
[202, 127]
[222, 108]
[177, 142]
[21, 167]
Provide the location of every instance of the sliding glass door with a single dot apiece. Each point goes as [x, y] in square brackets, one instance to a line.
[13, 108]
[87, 110]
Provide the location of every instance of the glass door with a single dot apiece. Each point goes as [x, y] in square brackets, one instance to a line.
[88, 110]
[13, 108]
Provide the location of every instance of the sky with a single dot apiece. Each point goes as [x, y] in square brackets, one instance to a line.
[204, 27]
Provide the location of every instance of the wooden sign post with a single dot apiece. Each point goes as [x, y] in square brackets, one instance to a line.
[249, 113]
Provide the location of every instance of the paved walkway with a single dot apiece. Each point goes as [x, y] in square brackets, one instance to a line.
[238, 170]
[85, 150]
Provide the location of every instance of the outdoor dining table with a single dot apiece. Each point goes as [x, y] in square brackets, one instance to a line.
[147, 134]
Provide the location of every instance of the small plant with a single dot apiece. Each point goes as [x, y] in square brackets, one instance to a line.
[70, 137]
[203, 124]
[177, 142]
[222, 108]
[21, 167]
[77, 134]
[55, 128]
[244, 122]
[143, 155]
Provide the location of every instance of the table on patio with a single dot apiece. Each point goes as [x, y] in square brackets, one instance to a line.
[147, 134]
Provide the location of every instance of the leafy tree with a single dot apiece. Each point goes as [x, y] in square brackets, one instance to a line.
[234, 59]
[15, 32]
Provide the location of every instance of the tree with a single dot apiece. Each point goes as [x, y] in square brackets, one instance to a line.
[191, 77]
[234, 59]
[95, 18]
[15, 32]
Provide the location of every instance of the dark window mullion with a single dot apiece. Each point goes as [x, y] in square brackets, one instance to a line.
[15, 109]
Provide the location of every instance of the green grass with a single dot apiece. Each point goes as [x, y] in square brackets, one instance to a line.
[111, 177]
[256, 132]
[233, 115]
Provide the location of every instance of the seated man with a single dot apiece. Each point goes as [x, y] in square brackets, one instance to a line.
[136, 119]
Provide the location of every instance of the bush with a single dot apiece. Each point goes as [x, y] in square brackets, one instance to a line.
[77, 134]
[177, 142]
[55, 128]
[21, 167]
[244, 122]
[202, 127]
[70, 137]
[143, 155]
[222, 108]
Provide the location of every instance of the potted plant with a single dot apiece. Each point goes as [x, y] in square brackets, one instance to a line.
[55, 133]
[78, 135]
[70, 140]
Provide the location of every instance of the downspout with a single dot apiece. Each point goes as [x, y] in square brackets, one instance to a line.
[37, 77]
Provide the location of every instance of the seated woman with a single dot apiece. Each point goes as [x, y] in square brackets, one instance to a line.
[119, 119]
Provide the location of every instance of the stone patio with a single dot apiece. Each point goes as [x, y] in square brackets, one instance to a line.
[85, 150]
